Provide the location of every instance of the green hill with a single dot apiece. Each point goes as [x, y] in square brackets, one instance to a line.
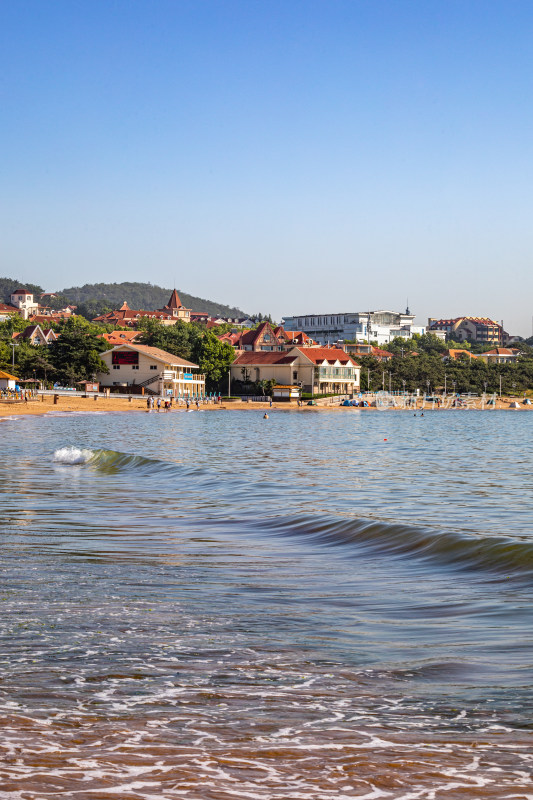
[146, 296]
[8, 285]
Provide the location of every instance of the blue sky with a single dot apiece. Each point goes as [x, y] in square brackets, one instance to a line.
[287, 157]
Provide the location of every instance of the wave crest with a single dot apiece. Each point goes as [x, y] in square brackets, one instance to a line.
[73, 455]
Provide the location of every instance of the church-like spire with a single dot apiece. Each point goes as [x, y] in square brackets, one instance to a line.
[174, 301]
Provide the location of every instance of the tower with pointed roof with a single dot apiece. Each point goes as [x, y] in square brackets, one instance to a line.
[176, 308]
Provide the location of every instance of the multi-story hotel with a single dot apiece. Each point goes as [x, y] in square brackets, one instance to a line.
[362, 326]
[469, 329]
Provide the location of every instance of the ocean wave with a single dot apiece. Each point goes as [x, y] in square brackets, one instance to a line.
[114, 461]
[494, 553]
[72, 455]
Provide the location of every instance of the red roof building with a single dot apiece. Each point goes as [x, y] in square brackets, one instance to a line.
[318, 370]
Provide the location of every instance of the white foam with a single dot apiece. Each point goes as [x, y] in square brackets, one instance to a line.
[72, 455]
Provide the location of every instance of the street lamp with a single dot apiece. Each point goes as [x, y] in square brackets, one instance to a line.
[13, 345]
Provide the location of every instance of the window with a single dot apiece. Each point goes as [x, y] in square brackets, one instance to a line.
[295, 376]
[135, 366]
[153, 366]
[116, 366]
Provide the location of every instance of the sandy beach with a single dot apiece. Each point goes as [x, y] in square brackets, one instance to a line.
[45, 404]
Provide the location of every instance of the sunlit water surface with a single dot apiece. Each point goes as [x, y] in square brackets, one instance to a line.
[318, 605]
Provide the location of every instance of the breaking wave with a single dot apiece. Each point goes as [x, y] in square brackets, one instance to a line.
[72, 455]
[114, 461]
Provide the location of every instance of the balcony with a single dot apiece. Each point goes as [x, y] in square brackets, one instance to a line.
[181, 377]
[335, 374]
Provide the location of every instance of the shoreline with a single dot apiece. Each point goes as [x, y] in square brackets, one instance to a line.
[66, 404]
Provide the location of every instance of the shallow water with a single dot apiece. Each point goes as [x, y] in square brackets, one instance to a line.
[212, 605]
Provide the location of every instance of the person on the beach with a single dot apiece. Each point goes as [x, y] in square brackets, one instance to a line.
[159, 404]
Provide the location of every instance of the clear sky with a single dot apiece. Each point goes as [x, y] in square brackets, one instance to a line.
[283, 156]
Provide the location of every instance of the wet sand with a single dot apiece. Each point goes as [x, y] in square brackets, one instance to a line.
[65, 403]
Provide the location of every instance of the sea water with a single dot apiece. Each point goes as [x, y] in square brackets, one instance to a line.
[317, 605]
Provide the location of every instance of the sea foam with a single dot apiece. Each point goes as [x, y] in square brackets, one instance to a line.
[72, 455]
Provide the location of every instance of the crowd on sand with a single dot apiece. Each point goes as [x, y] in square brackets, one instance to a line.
[43, 404]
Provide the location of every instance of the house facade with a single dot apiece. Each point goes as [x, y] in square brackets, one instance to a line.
[36, 335]
[501, 355]
[317, 370]
[482, 330]
[134, 367]
[23, 300]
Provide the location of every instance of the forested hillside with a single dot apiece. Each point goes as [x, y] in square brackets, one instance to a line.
[147, 296]
[8, 285]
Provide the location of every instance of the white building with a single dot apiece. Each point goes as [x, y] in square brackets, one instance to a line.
[379, 326]
[7, 381]
[23, 301]
[133, 367]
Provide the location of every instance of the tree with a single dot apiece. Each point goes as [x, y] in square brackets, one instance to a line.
[179, 339]
[75, 355]
[214, 359]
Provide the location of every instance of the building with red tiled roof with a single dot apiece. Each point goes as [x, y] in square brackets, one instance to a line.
[7, 310]
[261, 338]
[293, 338]
[138, 369]
[176, 309]
[500, 355]
[482, 330]
[120, 337]
[317, 370]
[36, 335]
[455, 354]
[129, 317]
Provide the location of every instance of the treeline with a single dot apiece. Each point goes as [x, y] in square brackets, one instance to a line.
[75, 356]
[9, 285]
[428, 371]
[94, 299]
[194, 343]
